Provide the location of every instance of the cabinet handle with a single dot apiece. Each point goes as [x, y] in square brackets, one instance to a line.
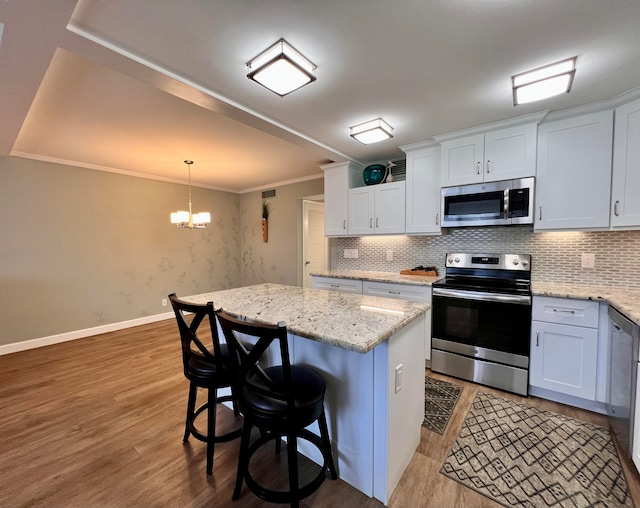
[488, 166]
[370, 222]
[376, 221]
[394, 292]
[344, 224]
[537, 339]
[478, 168]
[615, 208]
[335, 285]
[540, 214]
[437, 224]
[565, 311]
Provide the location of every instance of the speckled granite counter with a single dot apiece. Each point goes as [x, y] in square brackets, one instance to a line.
[353, 322]
[417, 280]
[625, 300]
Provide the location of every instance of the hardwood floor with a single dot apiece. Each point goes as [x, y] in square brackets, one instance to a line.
[98, 422]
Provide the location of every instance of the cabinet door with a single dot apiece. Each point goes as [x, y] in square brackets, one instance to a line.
[625, 204]
[564, 359]
[389, 208]
[423, 191]
[510, 153]
[361, 211]
[462, 161]
[336, 202]
[574, 173]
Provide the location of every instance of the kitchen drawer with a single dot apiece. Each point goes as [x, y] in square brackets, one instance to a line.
[398, 291]
[565, 311]
[337, 284]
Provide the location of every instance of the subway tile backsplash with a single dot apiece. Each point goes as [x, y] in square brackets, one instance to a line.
[556, 256]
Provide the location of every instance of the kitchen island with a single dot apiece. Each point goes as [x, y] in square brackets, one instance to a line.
[370, 352]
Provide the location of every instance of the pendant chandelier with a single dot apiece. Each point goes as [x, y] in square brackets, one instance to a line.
[188, 219]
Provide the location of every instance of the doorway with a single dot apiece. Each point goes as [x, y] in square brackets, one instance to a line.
[314, 244]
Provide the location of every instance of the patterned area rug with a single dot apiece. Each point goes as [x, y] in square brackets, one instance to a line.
[440, 398]
[521, 456]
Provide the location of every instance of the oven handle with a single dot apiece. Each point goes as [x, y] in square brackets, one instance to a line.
[483, 296]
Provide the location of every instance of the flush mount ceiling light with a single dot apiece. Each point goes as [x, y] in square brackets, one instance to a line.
[543, 82]
[281, 68]
[371, 131]
[190, 220]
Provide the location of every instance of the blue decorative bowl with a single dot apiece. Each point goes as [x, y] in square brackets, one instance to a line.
[374, 174]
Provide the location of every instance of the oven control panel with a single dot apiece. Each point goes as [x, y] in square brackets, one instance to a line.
[520, 262]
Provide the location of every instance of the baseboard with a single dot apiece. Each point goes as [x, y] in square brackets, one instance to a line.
[80, 334]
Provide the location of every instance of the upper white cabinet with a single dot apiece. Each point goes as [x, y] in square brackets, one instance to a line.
[423, 188]
[574, 173]
[625, 203]
[338, 178]
[377, 209]
[487, 157]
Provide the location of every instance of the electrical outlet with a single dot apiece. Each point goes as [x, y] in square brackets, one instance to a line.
[164, 302]
[346, 253]
[354, 253]
[588, 260]
[350, 253]
[389, 255]
[398, 378]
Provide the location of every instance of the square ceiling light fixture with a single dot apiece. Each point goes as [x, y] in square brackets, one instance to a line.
[543, 82]
[281, 68]
[371, 131]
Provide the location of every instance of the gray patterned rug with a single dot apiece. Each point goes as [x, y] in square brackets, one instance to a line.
[520, 456]
[440, 398]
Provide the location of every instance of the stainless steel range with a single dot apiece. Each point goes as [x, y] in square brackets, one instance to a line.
[482, 320]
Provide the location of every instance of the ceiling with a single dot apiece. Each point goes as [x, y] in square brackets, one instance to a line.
[136, 87]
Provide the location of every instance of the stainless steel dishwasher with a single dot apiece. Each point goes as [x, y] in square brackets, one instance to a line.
[623, 370]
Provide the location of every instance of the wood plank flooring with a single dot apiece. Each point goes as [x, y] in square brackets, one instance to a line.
[98, 422]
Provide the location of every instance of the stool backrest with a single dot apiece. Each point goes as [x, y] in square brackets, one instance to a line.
[245, 361]
[188, 331]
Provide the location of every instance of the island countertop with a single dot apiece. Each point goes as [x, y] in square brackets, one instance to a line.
[416, 280]
[354, 322]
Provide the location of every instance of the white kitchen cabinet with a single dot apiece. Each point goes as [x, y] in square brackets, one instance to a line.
[377, 209]
[338, 178]
[337, 284]
[625, 203]
[564, 346]
[488, 157]
[422, 189]
[574, 173]
[404, 292]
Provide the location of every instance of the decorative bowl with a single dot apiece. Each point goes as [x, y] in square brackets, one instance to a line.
[374, 174]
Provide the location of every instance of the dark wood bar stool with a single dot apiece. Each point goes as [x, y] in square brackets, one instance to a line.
[280, 401]
[204, 368]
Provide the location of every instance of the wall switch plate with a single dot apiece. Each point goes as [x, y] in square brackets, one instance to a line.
[389, 255]
[350, 253]
[588, 260]
[398, 378]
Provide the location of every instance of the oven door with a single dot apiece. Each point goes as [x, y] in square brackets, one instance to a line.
[491, 321]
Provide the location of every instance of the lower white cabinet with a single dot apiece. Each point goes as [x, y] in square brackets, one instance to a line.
[564, 346]
[337, 284]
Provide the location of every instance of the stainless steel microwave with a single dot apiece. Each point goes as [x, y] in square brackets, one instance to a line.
[488, 204]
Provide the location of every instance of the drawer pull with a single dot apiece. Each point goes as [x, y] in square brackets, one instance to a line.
[335, 285]
[537, 339]
[565, 311]
[394, 292]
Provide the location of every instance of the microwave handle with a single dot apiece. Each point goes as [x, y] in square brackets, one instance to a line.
[506, 204]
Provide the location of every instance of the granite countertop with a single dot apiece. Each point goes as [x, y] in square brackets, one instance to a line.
[349, 321]
[625, 300]
[416, 280]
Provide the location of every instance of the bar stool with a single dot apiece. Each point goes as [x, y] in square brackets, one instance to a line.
[204, 369]
[280, 401]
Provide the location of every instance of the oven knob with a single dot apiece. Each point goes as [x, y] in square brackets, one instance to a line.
[515, 262]
[457, 260]
[525, 263]
[449, 260]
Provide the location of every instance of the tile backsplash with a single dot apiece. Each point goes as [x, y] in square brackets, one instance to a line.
[556, 256]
